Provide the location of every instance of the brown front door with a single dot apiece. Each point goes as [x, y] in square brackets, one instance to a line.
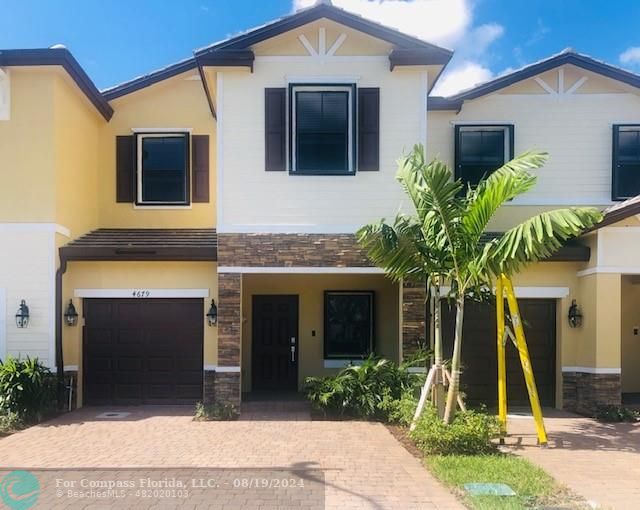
[143, 351]
[274, 358]
[479, 379]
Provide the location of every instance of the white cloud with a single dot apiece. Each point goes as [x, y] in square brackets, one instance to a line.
[631, 56]
[463, 76]
[442, 22]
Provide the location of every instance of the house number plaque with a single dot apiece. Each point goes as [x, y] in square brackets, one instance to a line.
[141, 293]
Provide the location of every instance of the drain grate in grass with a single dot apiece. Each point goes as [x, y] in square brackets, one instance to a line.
[489, 489]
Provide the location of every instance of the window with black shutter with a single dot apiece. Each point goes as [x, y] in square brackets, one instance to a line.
[479, 150]
[322, 130]
[626, 161]
[163, 169]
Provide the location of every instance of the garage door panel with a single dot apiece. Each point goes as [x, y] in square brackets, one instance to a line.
[143, 353]
[479, 351]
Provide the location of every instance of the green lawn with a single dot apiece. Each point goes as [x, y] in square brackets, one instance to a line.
[533, 487]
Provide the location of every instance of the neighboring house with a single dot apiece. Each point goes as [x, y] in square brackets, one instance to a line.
[240, 175]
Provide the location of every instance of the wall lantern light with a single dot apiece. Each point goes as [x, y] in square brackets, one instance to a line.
[212, 314]
[22, 315]
[70, 314]
[575, 315]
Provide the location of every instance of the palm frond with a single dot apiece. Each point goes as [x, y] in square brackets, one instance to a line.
[399, 249]
[506, 183]
[538, 237]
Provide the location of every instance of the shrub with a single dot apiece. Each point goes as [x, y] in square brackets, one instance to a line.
[616, 414]
[9, 422]
[400, 410]
[218, 411]
[360, 390]
[469, 434]
[27, 388]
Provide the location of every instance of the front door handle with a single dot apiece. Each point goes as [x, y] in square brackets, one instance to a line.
[293, 354]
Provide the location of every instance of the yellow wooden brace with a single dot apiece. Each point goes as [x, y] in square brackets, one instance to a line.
[503, 287]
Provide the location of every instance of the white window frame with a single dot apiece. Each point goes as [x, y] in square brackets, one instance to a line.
[164, 134]
[322, 88]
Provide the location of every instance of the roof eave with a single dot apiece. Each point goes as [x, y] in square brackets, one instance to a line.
[576, 59]
[59, 57]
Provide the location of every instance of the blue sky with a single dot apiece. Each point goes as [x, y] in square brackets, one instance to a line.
[117, 40]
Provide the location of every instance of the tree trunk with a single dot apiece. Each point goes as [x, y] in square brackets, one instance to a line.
[454, 385]
[438, 385]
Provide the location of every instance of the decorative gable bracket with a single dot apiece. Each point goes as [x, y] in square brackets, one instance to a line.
[561, 89]
[5, 94]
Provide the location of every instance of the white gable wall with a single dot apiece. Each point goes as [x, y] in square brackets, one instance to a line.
[576, 131]
[253, 200]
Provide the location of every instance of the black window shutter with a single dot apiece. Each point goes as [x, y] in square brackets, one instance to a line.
[275, 129]
[200, 168]
[368, 129]
[125, 169]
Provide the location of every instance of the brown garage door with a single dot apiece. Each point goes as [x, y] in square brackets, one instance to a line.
[479, 358]
[143, 351]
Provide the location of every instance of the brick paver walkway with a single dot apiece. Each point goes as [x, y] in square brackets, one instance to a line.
[364, 466]
[598, 461]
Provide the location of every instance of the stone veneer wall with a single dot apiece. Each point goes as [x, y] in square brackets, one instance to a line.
[414, 333]
[583, 392]
[225, 386]
[287, 250]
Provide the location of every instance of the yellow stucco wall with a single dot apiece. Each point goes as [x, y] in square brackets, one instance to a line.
[179, 102]
[27, 151]
[630, 340]
[76, 128]
[138, 275]
[310, 289]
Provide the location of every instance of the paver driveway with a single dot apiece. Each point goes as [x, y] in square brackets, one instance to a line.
[600, 461]
[365, 467]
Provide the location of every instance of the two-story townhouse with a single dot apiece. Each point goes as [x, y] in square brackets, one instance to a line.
[201, 218]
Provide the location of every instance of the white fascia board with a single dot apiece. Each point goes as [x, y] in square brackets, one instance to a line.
[141, 292]
[162, 130]
[529, 292]
[287, 229]
[592, 370]
[299, 270]
[217, 368]
[609, 270]
[35, 227]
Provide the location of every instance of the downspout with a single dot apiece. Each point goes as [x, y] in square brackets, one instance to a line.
[58, 310]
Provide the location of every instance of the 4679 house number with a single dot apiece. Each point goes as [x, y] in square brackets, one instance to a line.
[141, 293]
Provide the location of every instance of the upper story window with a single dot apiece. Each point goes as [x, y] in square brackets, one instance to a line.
[348, 324]
[626, 161]
[162, 169]
[479, 150]
[322, 130]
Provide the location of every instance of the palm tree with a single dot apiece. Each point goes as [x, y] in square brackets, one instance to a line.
[443, 237]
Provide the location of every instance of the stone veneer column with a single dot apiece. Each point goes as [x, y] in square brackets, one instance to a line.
[226, 383]
[414, 333]
[583, 392]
